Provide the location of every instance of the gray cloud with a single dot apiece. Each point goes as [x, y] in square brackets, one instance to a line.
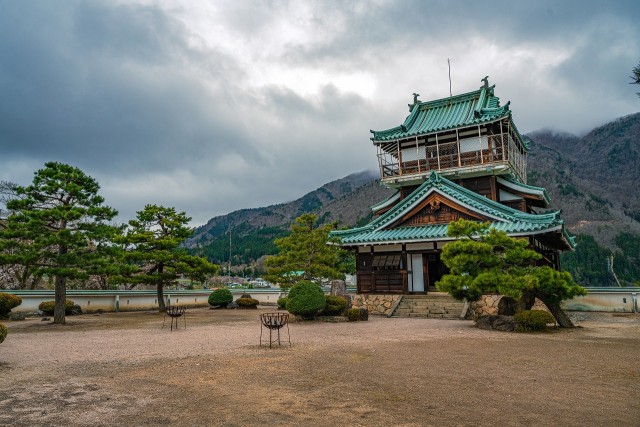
[161, 110]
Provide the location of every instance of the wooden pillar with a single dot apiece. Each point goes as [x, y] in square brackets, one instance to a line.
[458, 142]
[399, 158]
[438, 151]
[480, 140]
[417, 154]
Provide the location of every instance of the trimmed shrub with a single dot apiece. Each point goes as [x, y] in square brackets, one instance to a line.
[7, 302]
[3, 332]
[245, 295]
[247, 303]
[364, 314]
[306, 299]
[48, 307]
[282, 303]
[220, 297]
[353, 314]
[532, 320]
[334, 305]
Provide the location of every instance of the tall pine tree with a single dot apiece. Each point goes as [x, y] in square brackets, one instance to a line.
[57, 226]
[305, 254]
[152, 244]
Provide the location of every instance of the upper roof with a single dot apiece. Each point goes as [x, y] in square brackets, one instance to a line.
[473, 108]
[512, 221]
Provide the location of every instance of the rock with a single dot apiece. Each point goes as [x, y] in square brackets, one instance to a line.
[484, 322]
[504, 323]
[497, 322]
[17, 316]
[232, 304]
[76, 310]
[338, 287]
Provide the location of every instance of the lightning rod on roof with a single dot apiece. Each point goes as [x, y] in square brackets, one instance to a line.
[449, 64]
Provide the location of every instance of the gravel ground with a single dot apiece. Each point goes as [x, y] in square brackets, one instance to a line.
[124, 369]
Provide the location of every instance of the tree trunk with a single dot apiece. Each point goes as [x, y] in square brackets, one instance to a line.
[525, 302]
[61, 297]
[159, 286]
[561, 317]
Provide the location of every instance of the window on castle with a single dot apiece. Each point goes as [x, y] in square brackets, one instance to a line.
[469, 145]
[387, 262]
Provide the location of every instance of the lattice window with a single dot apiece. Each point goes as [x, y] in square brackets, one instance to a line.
[387, 262]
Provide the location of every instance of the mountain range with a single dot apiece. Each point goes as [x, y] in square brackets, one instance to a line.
[591, 178]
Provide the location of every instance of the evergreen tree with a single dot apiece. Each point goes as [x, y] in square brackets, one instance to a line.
[636, 76]
[151, 243]
[485, 260]
[58, 227]
[305, 254]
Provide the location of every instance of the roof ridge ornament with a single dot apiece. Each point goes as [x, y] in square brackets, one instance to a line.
[485, 81]
[415, 101]
[434, 177]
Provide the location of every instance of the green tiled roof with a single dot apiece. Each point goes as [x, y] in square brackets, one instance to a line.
[386, 202]
[511, 182]
[512, 221]
[468, 109]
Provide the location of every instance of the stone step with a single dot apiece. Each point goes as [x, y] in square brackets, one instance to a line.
[429, 305]
[432, 305]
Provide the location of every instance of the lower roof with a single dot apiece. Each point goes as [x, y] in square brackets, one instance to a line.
[385, 229]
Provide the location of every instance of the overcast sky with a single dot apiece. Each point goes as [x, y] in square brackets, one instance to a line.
[213, 106]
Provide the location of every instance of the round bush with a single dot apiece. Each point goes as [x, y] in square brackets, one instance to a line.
[3, 332]
[353, 314]
[532, 320]
[334, 305]
[282, 303]
[220, 297]
[306, 299]
[7, 302]
[247, 302]
[48, 307]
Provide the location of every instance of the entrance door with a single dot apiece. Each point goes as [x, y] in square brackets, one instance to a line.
[418, 274]
[435, 269]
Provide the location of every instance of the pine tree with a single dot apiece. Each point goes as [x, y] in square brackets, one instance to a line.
[58, 226]
[484, 261]
[151, 244]
[305, 254]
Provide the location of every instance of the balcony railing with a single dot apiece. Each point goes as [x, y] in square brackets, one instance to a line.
[500, 149]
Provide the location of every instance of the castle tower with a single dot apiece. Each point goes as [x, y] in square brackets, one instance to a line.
[457, 157]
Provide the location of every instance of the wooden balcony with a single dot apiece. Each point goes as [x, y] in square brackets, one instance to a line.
[400, 162]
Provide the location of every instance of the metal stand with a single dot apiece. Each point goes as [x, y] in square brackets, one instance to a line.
[175, 312]
[274, 322]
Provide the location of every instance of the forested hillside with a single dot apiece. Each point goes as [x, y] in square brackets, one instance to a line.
[345, 200]
[593, 179]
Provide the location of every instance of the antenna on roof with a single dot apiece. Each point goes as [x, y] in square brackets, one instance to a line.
[449, 63]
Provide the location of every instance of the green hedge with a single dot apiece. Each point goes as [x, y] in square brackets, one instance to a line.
[532, 320]
[306, 299]
[7, 302]
[334, 305]
[282, 303]
[48, 307]
[247, 302]
[354, 314]
[220, 297]
[3, 332]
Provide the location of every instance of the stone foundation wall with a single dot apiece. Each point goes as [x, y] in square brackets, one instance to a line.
[488, 305]
[376, 304]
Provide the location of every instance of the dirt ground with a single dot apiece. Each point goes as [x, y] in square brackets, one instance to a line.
[124, 369]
